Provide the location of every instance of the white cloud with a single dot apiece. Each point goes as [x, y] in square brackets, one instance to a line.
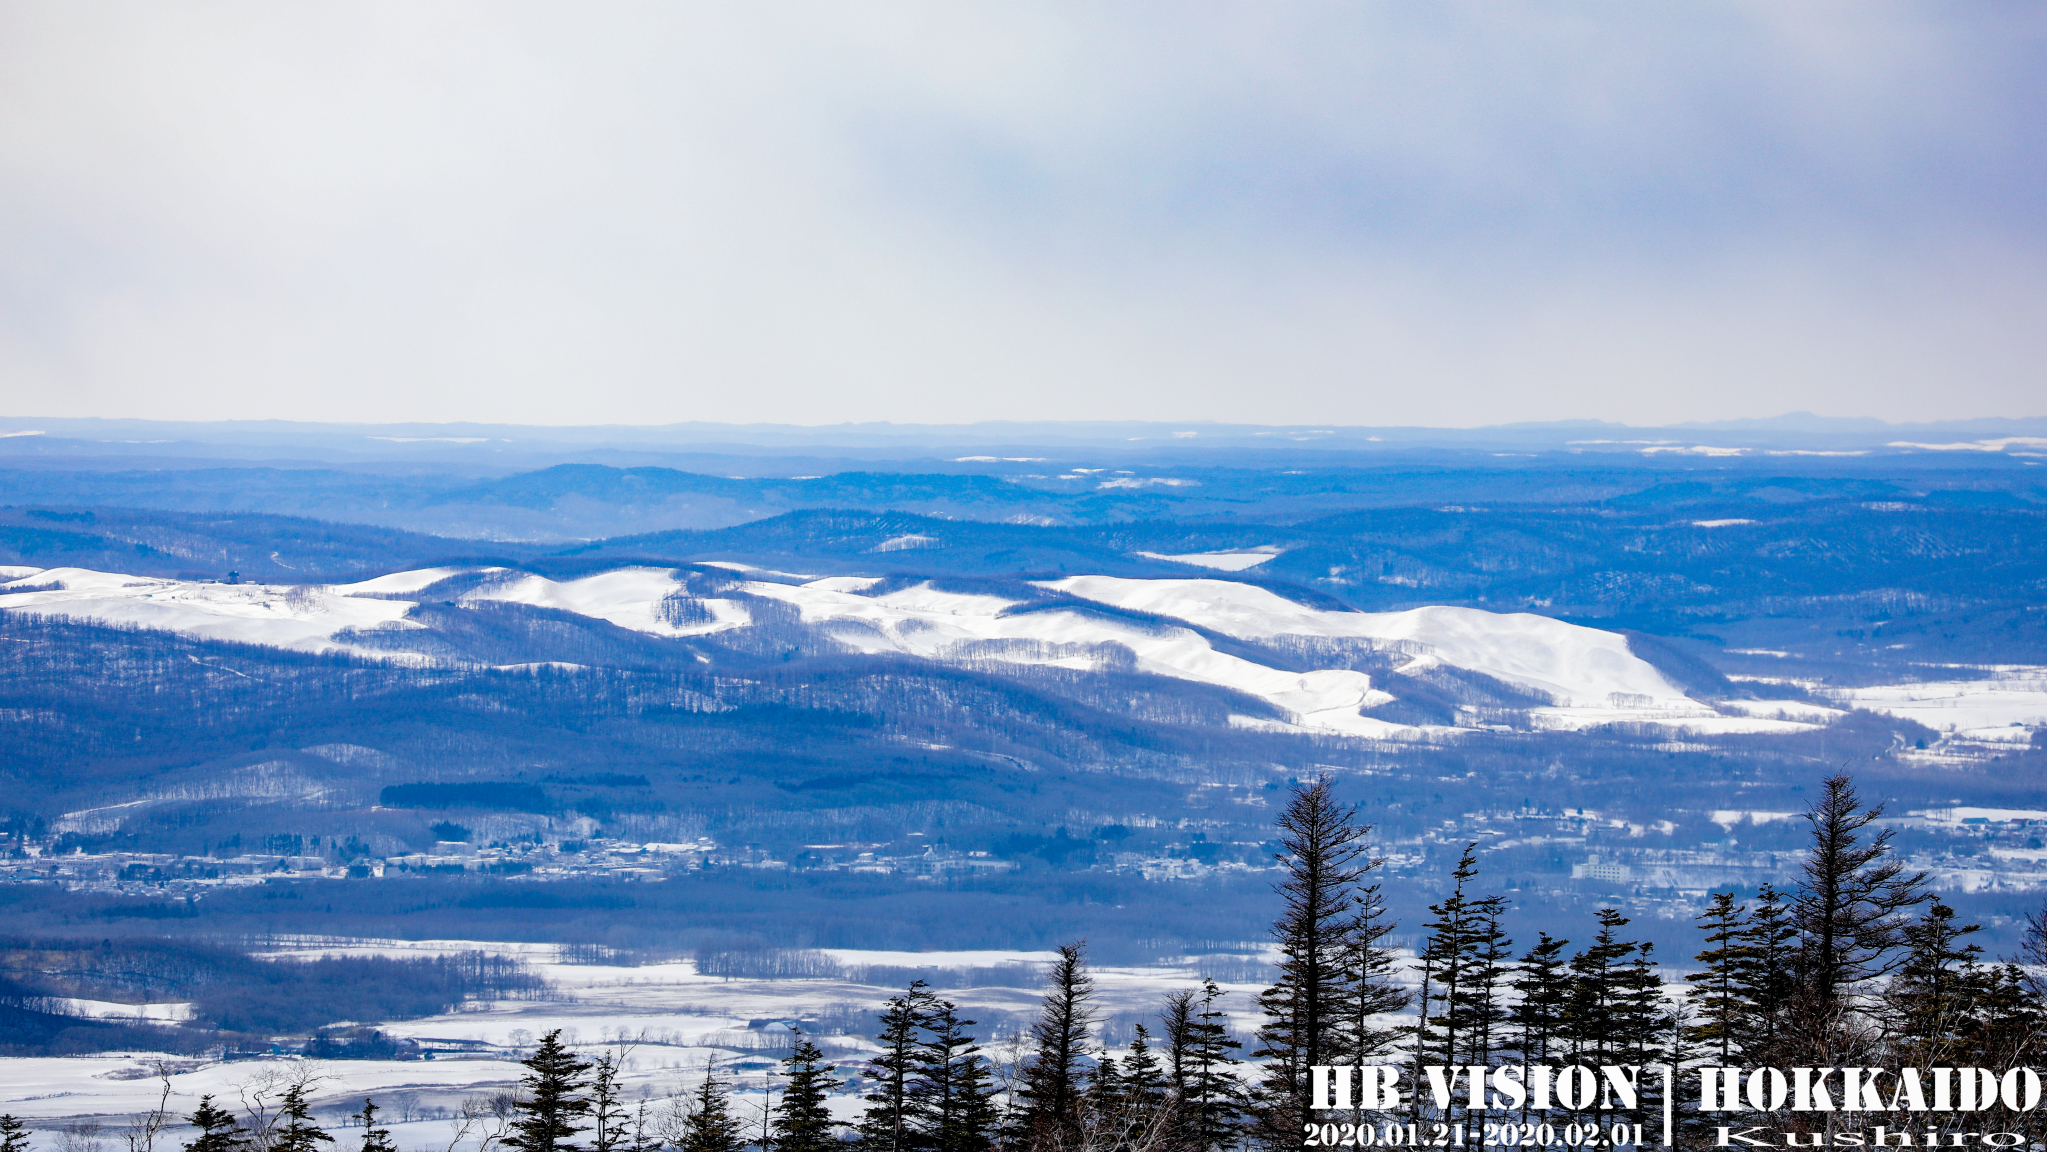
[639, 213]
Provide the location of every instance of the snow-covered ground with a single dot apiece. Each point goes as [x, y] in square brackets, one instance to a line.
[1590, 676]
[2006, 698]
[670, 1022]
[302, 618]
[1220, 561]
[628, 597]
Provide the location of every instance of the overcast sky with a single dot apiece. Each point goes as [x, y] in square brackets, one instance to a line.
[1399, 213]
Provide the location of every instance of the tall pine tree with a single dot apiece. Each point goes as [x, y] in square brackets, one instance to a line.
[1371, 972]
[1208, 1099]
[14, 1135]
[219, 1131]
[611, 1119]
[1603, 990]
[299, 1132]
[953, 1089]
[1767, 975]
[1052, 1118]
[1464, 970]
[892, 1120]
[802, 1123]
[1719, 996]
[1850, 912]
[709, 1125]
[1932, 1002]
[1542, 982]
[551, 1099]
[1324, 860]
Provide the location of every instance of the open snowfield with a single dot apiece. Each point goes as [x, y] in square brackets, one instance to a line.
[671, 1022]
[2007, 698]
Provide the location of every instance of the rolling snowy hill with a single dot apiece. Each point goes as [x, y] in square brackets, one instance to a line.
[1303, 661]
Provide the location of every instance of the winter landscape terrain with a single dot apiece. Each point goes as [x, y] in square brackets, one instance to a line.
[696, 743]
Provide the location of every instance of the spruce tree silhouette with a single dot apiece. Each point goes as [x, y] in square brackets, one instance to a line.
[219, 1131]
[710, 1125]
[893, 1110]
[552, 1099]
[1052, 1088]
[300, 1132]
[802, 1123]
[374, 1139]
[952, 1087]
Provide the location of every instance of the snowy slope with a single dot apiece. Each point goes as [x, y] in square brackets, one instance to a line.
[628, 597]
[1581, 667]
[278, 616]
[401, 583]
[1590, 676]
[1222, 561]
[922, 621]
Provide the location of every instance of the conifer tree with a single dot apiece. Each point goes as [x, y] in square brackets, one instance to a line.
[955, 1097]
[1370, 971]
[1052, 1085]
[892, 1119]
[1144, 1082]
[1106, 1119]
[1601, 990]
[219, 1131]
[2010, 1032]
[1718, 993]
[300, 1132]
[1932, 1000]
[1306, 1009]
[374, 1138]
[1464, 968]
[802, 1122]
[710, 1126]
[1543, 985]
[14, 1135]
[1849, 911]
[610, 1118]
[2033, 953]
[1492, 964]
[1176, 1024]
[1210, 1098]
[1649, 1032]
[551, 1099]
[1768, 976]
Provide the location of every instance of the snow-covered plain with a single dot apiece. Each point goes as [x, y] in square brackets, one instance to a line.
[2006, 698]
[1590, 677]
[676, 1021]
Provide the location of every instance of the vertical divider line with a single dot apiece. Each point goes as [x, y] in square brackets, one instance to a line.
[1669, 1101]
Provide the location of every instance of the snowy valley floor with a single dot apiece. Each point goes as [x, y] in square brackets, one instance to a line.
[670, 1022]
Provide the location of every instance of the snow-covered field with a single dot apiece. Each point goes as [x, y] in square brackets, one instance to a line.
[1999, 707]
[670, 1022]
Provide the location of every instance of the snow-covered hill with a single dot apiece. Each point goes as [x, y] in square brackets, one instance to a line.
[1587, 676]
